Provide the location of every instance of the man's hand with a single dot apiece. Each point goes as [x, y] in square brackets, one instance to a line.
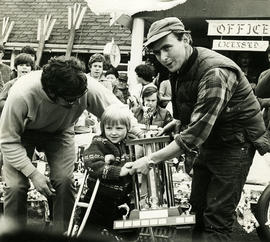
[42, 184]
[89, 121]
[161, 131]
[125, 170]
[141, 166]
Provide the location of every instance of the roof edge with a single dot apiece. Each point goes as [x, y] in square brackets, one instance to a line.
[63, 47]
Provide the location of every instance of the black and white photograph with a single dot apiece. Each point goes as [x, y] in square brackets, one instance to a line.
[134, 120]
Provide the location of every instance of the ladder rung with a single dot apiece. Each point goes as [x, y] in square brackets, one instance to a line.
[82, 204]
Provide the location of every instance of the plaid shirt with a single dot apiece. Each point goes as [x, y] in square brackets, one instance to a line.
[214, 92]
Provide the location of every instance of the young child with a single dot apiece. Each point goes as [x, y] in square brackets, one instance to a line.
[150, 113]
[107, 159]
[23, 64]
[112, 76]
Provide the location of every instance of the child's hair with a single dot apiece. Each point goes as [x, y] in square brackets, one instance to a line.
[112, 71]
[146, 72]
[96, 58]
[24, 58]
[148, 91]
[115, 114]
[28, 50]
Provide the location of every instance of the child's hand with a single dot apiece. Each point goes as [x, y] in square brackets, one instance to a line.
[126, 168]
[109, 158]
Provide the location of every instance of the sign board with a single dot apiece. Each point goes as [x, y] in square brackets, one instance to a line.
[239, 27]
[242, 45]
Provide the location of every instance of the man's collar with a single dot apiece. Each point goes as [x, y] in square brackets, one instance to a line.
[190, 61]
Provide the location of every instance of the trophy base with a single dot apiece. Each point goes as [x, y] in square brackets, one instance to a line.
[154, 218]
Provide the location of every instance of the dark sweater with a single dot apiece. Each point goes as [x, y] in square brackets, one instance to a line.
[94, 158]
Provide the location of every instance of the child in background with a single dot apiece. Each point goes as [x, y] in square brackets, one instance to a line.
[150, 113]
[23, 64]
[121, 90]
[27, 50]
[119, 83]
[112, 76]
[107, 159]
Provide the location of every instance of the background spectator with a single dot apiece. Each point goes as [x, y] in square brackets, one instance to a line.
[268, 70]
[121, 89]
[244, 61]
[144, 76]
[29, 50]
[165, 93]
[112, 76]
[96, 64]
[23, 64]
[4, 69]
[150, 113]
[26, 50]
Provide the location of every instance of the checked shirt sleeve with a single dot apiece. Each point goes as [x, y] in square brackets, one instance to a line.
[214, 91]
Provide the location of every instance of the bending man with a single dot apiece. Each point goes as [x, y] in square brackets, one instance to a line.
[40, 112]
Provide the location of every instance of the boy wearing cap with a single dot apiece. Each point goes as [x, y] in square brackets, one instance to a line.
[121, 89]
[211, 95]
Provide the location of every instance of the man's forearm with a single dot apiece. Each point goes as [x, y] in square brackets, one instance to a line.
[168, 152]
[15, 155]
[162, 98]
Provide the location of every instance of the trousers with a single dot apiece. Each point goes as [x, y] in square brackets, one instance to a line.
[218, 179]
[60, 152]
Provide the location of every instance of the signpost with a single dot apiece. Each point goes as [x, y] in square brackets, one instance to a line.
[239, 27]
[44, 31]
[74, 21]
[249, 28]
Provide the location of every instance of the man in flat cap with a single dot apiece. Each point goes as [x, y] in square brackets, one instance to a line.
[213, 98]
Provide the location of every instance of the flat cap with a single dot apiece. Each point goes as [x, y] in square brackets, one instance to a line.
[123, 77]
[163, 27]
